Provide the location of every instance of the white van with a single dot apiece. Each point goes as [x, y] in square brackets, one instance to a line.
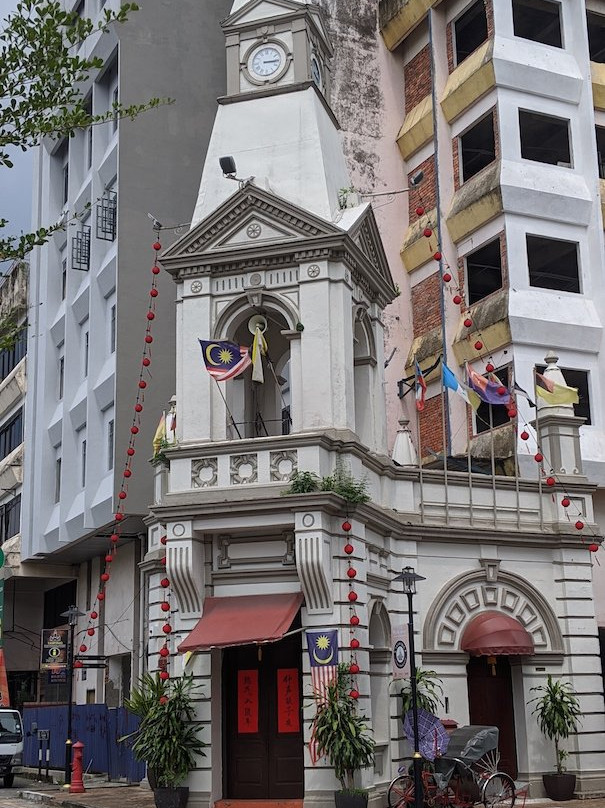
[11, 744]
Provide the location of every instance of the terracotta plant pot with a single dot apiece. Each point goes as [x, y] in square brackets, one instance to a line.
[171, 797]
[559, 787]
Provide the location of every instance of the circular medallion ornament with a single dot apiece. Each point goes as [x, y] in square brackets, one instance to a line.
[313, 271]
[254, 230]
[255, 279]
[400, 654]
[178, 530]
[196, 287]
[308, 520]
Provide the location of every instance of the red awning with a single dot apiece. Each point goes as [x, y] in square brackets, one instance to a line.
[243, 620]
[493, 634]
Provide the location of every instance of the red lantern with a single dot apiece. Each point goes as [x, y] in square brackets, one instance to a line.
[354, 621]
[163, 539]
[579, 525]
[566, 502]
[164, 652]
[478, 345]
[538, 457]
[153, 292]
[348, 548]
[105, 577]
[489, 367]
[524, 435]
[165, 606]
[427, 232]
[93, 615]
[351, 572]
[83, 648]
[457, 299]
[122, 495]
[164, 583]
[130, 451]
[78, 664]
[353, 668]
[437, 256]
[163, 560]
[90, 631]
[115, 538]
[354, 694]
[146, 362]
[150, 315]
[157, 246]
[447, 277]
[148, 339]
[354, 643]
[138, 408]
[419, 211]
[164, 676]
[468, 322]
[134, 429]
[127, 473]
[352, 596]
[155, 270]
[119, 516]
[101, 596]
[167, 628]
[142, 384]
[108, 558]
[502, 391]
[550, 481]
[346, 526]
[512, 412]
[593, 548]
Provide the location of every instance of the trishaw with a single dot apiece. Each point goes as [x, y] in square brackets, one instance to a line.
[466, 773]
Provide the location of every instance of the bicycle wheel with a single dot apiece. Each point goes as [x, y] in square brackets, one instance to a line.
[401, 792]
[498, 791]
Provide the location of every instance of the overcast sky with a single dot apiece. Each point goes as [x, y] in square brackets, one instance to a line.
[15, 183]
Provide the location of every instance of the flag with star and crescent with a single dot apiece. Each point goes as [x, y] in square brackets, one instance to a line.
[323, 658]
[225, 360]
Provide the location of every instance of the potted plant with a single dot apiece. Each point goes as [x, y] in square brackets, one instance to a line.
[167, 737]
[342, 735]
[428, 692]
[557, 711]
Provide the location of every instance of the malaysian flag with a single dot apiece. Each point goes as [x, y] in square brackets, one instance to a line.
[323, 657]
[224, 360]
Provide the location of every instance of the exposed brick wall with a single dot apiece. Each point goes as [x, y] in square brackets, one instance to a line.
[431, 426]
[449, 34]
[426, 193]
[417, 78]
[426, 313]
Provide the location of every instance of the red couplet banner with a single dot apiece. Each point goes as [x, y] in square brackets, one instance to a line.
[288, 700]
[247, 701]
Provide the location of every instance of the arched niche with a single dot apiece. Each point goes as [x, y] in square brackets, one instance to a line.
[364, 359]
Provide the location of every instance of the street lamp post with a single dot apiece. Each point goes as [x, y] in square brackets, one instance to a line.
[72, 615]
[408, 580]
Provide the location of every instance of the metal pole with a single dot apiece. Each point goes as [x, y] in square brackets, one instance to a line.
[70, 678]
[417, 759]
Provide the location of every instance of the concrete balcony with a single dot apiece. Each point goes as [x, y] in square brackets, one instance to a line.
[469, 81]
[415, 250]
[11, 469]
[490, 324]
[417, 128]
[477, 202]
[397, 18]
[12, 388]
[597, 72]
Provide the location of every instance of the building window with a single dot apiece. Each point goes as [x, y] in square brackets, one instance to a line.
[86, 349]
[538, 20]
[477, 147]
[470, 30]
[83, 459]
[80, 249]
[61, 377]
[596, 36]
[112, 329]
[493, 415]
[107, 208]
[110, 445]
[65, 174]
[600, 133]
[553, 264]
[10, 518]
[11, 434]
[10, 357]
[484, 271]
[63, 278]
[115, 100]
[57, 479]
[579, 379]
[544, 139]
[89, 137]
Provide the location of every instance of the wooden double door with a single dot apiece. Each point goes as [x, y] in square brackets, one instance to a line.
[262, 721]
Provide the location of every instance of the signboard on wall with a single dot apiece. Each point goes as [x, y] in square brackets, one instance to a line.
[401, 652]
[54, 648]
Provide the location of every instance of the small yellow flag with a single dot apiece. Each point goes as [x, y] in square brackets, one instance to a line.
[259, 349]
[160, 435]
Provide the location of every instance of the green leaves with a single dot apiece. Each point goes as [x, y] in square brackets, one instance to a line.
[557, 711]
[340, 733]
[428, 692]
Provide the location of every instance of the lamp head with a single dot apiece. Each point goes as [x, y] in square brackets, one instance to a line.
[227, 165]
[416, 179]
[408, 578]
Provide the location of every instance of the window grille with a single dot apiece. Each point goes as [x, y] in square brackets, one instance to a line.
[80, 249]
[107, 208]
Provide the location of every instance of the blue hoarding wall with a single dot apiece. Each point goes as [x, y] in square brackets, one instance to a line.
[96, 726]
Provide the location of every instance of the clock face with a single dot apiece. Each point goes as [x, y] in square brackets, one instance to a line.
[316, 72]
[266, 61]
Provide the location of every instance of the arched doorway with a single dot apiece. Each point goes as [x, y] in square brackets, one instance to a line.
[490, 639]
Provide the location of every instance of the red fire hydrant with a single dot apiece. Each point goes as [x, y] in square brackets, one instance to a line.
[77, 783]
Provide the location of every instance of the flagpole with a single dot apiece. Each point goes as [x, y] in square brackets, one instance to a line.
[228, 410]
[445, 453]
[515, 426]
[493, 461]
[469, 462]
[421, 473]
[538, 449]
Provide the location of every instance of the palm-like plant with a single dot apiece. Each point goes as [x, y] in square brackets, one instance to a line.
[557, 711]
[341, 734]
[428, 692]
[167, 738]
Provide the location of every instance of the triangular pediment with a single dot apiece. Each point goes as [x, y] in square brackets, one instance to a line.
[247, 12]
[364, 232]
[249, 219]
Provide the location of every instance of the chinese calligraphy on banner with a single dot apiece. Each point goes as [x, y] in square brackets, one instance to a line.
[247, 701]
[288, 700]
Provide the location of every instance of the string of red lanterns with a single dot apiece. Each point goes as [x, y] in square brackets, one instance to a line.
[353, 617]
